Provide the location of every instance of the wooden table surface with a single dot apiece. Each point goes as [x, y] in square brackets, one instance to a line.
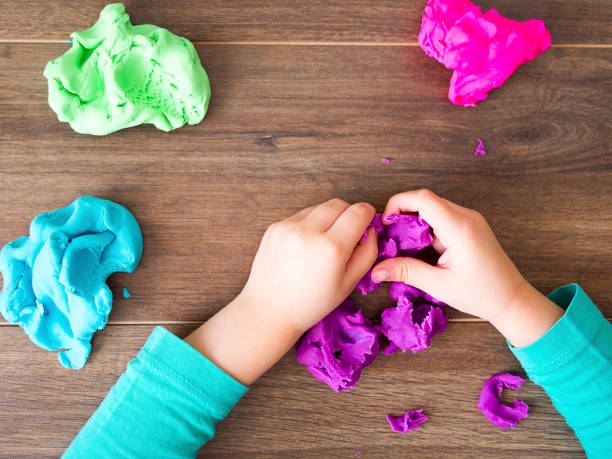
[307, 97]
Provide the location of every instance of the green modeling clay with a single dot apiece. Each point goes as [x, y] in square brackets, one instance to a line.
[117, 75]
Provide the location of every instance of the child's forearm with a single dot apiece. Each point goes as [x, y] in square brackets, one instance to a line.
[244, 339]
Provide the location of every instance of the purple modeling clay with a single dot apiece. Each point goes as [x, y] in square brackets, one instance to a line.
[494, 410]
[411, 233]
[399, 289]
[411, 420]
[480, 149]
[336, 349]
[411, 326]
[483, 49]
[385, 160]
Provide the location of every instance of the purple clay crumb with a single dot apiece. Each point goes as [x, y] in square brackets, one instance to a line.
[480, 151]
[385, 160]
[494, 410]
[411, 420]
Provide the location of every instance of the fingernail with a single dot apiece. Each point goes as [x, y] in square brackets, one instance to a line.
[381, 275]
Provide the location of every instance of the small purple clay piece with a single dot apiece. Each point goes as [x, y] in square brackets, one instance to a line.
[385, 160]
[409, 326]
[480, 149]
[411, 420]
[391, 218]
[358, 453]
[494, 410]
[336, 349]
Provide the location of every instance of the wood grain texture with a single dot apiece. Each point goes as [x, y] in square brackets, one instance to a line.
[290, 126]
[587, 21]
[287, 413]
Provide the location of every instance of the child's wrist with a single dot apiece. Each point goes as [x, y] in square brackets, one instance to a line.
[526, 317]
[275, 315]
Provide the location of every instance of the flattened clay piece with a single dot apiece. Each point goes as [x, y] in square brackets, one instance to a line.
[494, 410]
[410, 420]
[483, 49]
[117, 75]
[55, 279]
[336, 349]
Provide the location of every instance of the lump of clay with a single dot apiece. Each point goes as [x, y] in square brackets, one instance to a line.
[55, 279]
[117, 75]
[483, 49]
[411, 326]
[410, 420]
[494, 410]
[336, 349]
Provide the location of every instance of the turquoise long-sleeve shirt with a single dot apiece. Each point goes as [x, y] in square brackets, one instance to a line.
[573, 363]
[170, 398]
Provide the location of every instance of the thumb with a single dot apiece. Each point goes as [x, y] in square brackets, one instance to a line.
[410, 271]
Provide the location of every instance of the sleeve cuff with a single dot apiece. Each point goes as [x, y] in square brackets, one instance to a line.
[568, 337]
[193, 371]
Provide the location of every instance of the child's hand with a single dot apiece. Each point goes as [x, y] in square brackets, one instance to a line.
[473, 274]
[305, 266]
[308, 263]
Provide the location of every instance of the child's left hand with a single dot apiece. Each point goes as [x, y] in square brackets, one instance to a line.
[308, 263]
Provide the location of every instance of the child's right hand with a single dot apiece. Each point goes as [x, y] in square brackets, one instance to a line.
[473, 274]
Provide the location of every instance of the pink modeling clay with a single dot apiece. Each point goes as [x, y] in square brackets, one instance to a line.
[480, 149]
[494, 410]
[385, 160]
[337, 348]
[483, 49]
[410, 326]
[411, 420]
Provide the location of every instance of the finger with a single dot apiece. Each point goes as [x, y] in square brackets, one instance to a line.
[438, 246]
[413, 272]
[348, 229]
[324, 215]
[361, 260]
[300, 215]
[436, 211]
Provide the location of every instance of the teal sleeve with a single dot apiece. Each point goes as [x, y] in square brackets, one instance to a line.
[165, 405]
[573, 363]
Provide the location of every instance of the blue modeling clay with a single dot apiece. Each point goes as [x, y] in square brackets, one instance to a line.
[55, 280]
[126, 293]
